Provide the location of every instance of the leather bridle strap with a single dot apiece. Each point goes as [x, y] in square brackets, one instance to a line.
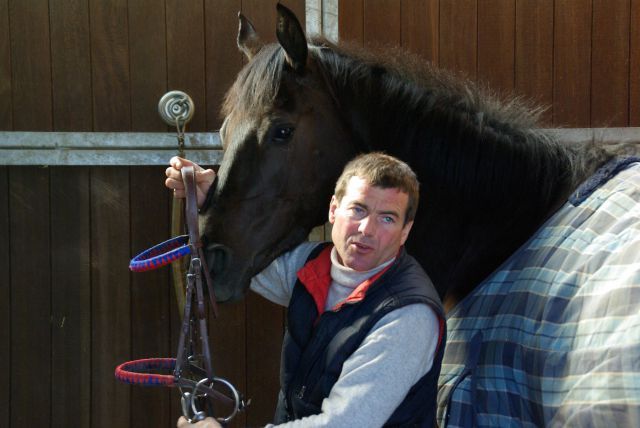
[191, 214]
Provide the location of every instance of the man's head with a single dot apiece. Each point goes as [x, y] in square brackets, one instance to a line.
[386, 172]
[372, 210]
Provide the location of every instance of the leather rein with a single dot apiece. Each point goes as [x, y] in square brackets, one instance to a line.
[192, 372]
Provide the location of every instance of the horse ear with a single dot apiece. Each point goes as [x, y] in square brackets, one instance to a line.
[248, 39]
[291, 38]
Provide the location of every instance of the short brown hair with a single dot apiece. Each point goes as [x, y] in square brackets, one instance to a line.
[384, 171]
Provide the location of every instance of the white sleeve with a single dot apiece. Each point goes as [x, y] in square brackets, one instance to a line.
[398, 351]
[276, 281]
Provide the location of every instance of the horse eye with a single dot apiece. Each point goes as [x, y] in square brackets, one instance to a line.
[282, 134]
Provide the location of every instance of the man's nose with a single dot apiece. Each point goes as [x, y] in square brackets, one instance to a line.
[367, 226]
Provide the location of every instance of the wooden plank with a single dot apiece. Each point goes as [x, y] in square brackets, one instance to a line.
[458, 36]
[186, 55]
[223, 60]
[634, 98]
[148, 68]
[265, 328]
[382, 23]
[228, 334]
[71, 65]
[421, 27]
[31, 67]
[534, 53]
[634, 69]
[5, 301]
[110, 295]
[572, 63]
[110, 65]
[6, 118]
[496, 44]
[610, 63]
[70, 297]
[150, 294]
[30, 99]
[30, 297]
[351, 21]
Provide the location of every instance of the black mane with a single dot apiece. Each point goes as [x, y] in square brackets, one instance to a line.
[489, 175]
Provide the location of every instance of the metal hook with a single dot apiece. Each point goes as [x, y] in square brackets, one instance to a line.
[176, 108]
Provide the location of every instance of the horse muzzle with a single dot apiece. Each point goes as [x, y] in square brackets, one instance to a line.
[227, 284]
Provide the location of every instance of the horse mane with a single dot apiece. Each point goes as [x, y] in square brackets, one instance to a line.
[426, 95]
[489, 172]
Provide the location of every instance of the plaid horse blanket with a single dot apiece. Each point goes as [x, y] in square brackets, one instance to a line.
[552, 338]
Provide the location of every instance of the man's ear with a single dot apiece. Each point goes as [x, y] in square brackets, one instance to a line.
[291, 38]
[333, 205]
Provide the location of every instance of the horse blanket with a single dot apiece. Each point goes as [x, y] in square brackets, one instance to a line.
[552, 338]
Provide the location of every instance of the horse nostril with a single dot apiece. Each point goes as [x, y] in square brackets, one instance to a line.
[217, 256]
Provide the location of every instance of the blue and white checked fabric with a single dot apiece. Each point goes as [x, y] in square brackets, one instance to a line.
[552, 338]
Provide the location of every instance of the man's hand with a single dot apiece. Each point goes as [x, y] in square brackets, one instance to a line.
[205, 423]
[204, 179]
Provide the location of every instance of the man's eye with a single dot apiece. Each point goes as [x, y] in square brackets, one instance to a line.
[389, 220]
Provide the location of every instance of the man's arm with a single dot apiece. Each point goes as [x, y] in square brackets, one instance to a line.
[275, 283]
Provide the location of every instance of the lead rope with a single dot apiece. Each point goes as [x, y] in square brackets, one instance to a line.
[176, 108]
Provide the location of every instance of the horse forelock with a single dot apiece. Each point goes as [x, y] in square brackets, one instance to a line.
[256, 86]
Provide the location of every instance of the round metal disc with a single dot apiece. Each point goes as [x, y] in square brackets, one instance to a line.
[176, 106]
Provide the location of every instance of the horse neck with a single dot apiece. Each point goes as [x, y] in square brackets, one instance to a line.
[487, 181]
[455, 137]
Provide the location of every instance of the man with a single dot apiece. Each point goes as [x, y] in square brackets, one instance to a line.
[365, 332]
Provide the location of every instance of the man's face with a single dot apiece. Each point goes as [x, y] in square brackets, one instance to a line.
[368, 224]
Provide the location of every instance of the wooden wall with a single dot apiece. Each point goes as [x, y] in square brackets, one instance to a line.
[580, 58]
[70, 311]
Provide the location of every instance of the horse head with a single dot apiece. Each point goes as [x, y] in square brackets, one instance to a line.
[284, 146]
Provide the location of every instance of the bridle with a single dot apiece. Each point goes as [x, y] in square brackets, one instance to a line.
[192, 372]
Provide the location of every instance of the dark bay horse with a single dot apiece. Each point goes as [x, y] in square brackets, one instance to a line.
[297, 113]
[538, 266]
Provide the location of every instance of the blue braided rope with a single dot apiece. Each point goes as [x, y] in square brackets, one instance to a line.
[161, 254]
